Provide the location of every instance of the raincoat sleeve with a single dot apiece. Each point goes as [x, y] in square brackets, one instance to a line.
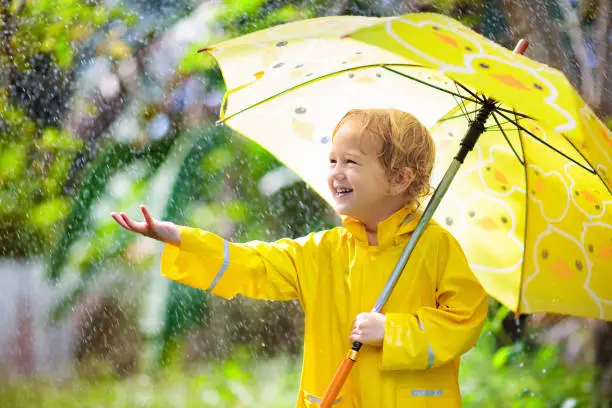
[434, 336]
[255, 269]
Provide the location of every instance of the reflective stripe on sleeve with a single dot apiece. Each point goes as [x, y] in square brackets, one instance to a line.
[223, 266]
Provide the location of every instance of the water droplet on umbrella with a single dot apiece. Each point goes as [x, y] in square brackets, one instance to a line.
[300, 110]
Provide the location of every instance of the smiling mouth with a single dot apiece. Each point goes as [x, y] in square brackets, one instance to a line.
[343, 192]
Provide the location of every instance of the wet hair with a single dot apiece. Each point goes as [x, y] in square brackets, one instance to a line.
[403, 141]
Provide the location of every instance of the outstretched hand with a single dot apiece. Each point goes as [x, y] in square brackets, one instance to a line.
[164, 231]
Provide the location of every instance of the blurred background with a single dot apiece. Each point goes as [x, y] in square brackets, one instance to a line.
[105, 105]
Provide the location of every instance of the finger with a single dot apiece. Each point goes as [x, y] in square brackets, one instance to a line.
[120, 221]
[147, 215]
[132, 224]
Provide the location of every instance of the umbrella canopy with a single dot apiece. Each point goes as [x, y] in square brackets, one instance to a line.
[531, 205]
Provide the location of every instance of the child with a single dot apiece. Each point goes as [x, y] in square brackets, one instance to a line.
[380, 165]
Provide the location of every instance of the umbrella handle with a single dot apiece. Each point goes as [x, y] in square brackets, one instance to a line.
[340, 377]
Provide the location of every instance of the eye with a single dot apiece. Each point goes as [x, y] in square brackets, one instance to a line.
[349, 161]
[332, 161]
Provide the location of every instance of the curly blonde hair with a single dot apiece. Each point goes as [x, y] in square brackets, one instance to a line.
[404, 142]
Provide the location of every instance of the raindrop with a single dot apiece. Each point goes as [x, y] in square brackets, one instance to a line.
[325, 139]
[159, 126]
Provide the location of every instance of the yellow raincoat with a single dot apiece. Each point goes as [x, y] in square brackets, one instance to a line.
[434, 314]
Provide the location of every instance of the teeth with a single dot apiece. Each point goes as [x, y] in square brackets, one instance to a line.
[344, 190]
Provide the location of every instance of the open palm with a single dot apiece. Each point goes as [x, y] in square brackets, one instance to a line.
[160, 230]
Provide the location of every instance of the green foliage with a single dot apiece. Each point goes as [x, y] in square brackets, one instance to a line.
[41, 43]
[515, 376]
[239, 382]
[527, 380]
[114, 159]
[58, 27]
[499, 372]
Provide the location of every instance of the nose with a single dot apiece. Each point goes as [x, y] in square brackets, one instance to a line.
[336, 172]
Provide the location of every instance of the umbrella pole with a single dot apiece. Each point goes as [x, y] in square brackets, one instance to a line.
[476, 129]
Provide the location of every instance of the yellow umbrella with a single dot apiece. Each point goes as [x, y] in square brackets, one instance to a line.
[531, 204]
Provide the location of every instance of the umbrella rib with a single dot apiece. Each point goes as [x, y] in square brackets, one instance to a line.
[226, 118]
[522, 115]
[590, 170]
[508, 140]
[522, 276]
[497, 108]
[475, 96]
[458, 116]
[462, 105]
[387, 67]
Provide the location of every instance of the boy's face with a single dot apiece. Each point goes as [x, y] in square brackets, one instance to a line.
[356, 178]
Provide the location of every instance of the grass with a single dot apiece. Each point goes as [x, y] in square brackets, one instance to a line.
[505, 377]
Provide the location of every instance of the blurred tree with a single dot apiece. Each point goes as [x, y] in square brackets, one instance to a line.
[43, 45]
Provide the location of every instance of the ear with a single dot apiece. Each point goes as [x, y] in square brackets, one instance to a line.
[401, 180]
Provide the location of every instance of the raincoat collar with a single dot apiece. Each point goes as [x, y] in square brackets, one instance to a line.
[390, 231]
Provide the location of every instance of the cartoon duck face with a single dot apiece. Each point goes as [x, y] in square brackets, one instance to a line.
[435, 42]
[597, 241]
[501, 174]
[588, 194]
[559, 278]
[490, 220]
[549, 191]
[596, 129]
